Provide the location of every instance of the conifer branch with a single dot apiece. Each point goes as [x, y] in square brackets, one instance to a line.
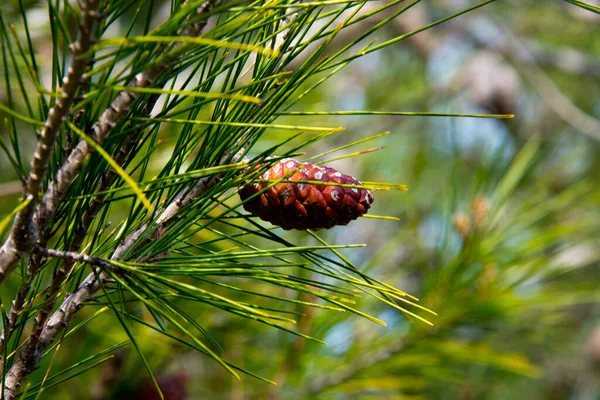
[66, 266]
[45, 331]
[109, 118]
[74, 257]
[44, 334]
[50, 203]
[24, 231]
[19, 303]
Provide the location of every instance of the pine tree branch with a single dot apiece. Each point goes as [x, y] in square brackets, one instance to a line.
[109, 118]
[32, 347]
[106, 181]
[40, 340]
[23, 234]
[74, 257]
[64, 270]
[52, 291]
[35, 262]
[83, 227]
[44, 332]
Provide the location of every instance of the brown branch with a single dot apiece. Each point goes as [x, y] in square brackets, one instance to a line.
[74, 257]
[60, 274]
[24, 233]
[31, 352]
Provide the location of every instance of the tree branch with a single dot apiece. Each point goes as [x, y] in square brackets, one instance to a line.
[50, 204]
[24, 232]
[31, 353]
[45, 331]
[35, 262]
[52, 291]
[109, 118]
[74, 257]
[60, 274]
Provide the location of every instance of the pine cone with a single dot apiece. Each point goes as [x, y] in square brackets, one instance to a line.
[306, 206]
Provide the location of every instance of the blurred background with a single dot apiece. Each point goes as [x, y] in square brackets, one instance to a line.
[499, 232]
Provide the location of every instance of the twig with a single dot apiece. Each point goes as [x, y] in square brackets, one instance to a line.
[49, 205]
[18, 303]
[24, 233]
[33, 348]
[30, 355]
[52, 361]
[74, 257]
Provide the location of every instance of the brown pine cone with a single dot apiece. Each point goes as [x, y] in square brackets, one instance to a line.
[306, 206]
